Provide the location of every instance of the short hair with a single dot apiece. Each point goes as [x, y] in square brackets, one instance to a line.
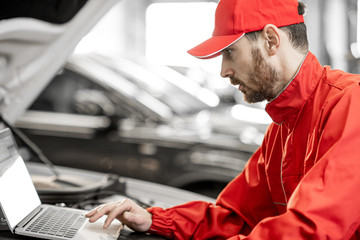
[297, 33]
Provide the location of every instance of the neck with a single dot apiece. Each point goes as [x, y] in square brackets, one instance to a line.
[292, 65]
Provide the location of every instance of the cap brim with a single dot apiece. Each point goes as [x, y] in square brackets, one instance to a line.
[213, 46]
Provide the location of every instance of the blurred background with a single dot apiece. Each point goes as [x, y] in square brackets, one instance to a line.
[163, 30]
[131, 101]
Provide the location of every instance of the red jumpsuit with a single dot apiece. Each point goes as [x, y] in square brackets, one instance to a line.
[304, 180]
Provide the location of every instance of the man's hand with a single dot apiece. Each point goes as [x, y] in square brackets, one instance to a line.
[127, 211]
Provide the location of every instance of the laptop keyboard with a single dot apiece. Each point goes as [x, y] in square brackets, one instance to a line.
[57, 222]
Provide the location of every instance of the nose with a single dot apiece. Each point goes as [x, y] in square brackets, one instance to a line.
[226, 70]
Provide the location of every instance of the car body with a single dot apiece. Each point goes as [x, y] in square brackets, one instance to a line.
[112, 124]
[36, 38]
[93, 117]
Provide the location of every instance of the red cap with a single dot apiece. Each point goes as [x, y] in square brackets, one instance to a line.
[234, 18]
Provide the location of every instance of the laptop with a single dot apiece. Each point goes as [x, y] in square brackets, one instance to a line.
[26, 215]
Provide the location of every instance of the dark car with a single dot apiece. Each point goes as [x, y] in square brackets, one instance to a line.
[95, 118]
[36, 38]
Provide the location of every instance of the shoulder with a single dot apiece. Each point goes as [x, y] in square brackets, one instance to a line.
[343, 100]
[342, 87]
[340, 79]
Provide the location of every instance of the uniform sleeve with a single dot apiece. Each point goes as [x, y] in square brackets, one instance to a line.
[326, 203]
[234, 211]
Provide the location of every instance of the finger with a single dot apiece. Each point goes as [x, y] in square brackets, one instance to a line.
[116, 212]
[93, 211]
[101, 211]
[90, 213]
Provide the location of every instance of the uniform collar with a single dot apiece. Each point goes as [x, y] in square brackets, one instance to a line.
[291, 100]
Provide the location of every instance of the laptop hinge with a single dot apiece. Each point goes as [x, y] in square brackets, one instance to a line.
[29, 217]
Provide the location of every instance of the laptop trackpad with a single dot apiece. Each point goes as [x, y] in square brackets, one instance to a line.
[95, 231]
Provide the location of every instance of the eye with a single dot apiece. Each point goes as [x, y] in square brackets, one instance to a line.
[227, 52]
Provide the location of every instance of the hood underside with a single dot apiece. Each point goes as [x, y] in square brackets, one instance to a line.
[35, 41]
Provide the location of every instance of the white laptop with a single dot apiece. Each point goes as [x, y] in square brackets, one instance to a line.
[24, 212]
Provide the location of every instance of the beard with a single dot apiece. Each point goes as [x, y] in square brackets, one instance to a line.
[264, 77]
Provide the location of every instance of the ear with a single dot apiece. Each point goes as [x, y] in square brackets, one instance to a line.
[271, 35]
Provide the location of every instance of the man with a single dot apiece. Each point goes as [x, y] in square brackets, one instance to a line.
[302, 183]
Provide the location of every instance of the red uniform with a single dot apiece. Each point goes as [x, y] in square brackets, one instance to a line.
[304, 180]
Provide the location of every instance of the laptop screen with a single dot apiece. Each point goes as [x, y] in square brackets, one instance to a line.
[18, 196]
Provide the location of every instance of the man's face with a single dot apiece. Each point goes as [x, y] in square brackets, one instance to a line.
[244, 64]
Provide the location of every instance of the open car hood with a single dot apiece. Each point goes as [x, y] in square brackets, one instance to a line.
[36, 38]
